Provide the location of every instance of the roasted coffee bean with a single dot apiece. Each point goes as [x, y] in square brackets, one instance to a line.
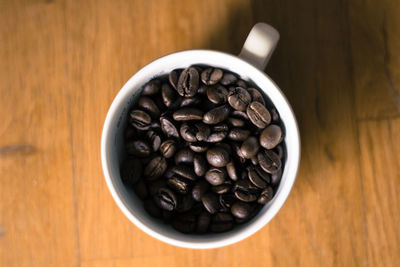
[203, 221]
[245, 191]
[216, 176]
[279, 151]
[166, 199]
[276, 177]
[250, 147]
[199, 165]
[269, 161]
[211, 76]
[184, 155]
[151, 88]
[169, 95]
[241, 210]
[173, 78]
[185, 203]
[198, 147]
[218, 156]
[239, 98]
[140, 119]
[216, 115]
[203, 131]
[187, 114]
[219, 132]
[168, 127]
[199, 189]
[227, 200]
[254, 160]
[228, 78]
[274, 115]
[188, 82]
[217, 94]
[179, 184]
[154, 186]
[138, 148]
[190, 101]
[266, 195]
[185, 223]
[225, 146]
[264, 175]
[154, 140]
[236, 147]
[232, 171]
[184, 171]
[147, 104]
[221, 222]
[155, 168]
[238, 134]
[131, 171]
[222, 188]
[235, 122]
[258, 114]
[241, 83]
[271, 136]
[210, 202]
[202, 89]
[256, 95]
[256, 179]
[151, 207]
[168, 148]
[188, 132]
[140, 189]
[240, 114]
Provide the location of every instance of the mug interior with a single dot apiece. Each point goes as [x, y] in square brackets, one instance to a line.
[113, 154]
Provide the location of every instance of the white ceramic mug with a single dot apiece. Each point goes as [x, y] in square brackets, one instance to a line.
[249, 65]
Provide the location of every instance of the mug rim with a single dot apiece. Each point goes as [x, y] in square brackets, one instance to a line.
[254, 226]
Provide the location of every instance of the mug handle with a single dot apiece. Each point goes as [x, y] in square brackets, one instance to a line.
[259, 45]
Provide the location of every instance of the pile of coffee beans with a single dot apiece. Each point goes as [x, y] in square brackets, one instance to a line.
[204, 150]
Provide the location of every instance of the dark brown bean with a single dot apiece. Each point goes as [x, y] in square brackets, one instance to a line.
[274, 115]
[239, 98]
[179, 184]
[184, 155]
[241, 210]
[210, 202]
[151, 88]
[227, 200]
[256, 95]
[232, 171]
[199, 165]
[266, 195]
[154, 140]
[198, 147]
[154, 186]
[269, 161]
[187, 114]
[188, 132]
[173, 78]
[138, 148]
[184, 171]
[217, 94]
[168, 148]
[190, 101]
[211, 76]
[241, 83]
[203, 131]
[222, 188]
[188, 82]
[276, 177]
[258, 114]
[216, 115]
[168, 127]
[238, 134]
[245, 191]
[140, 119]
[250, 147]
[169, 95]
[218, 156]
[147, 104]
[155, 168]
[166, 199]
[235, 122]
[256, 179]
[199, 189]
[271, 136]
[228, 79]
[216, 176]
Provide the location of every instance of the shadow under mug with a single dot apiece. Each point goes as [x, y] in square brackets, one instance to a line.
[249, 65]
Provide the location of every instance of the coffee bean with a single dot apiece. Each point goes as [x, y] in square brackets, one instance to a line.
[155, 168]
[228, 79]
[147, 104]
[179, 184]
[140, 119]
[152, 208]
[185, 203]
[199, 189]
[254, 160]
[221, 222]
[211, 76]
[184, 155]
[222, 188]
[168, 148]
[219, 132]
[184, 171]
[169, 95]
[258, 114]
[271, 136]
[279, 151]
[188, 82]
[198, 147]
[241, 83]
[185, 223]
[154, 186]
[218, 157]
[237, 148]
[151, 88]
[256, 179]
[235, 122]
[138, 148]
[276, 177]
[168, 127]
[217, 94]
[256, 95]
[199, 165]
[232, 171]
[210, 202]
[154, 139]
[227, 200]
[239, 98]
[216, 115]
[187, 114]
[188, 132]
[216, 176]
[173, 78]
[202, 89]
[241, 210]
[274, 115]
[203, 221]
[250, 147]
[190, 101]
[166, 199]
[238, 134]
[269, 161]
[266, 195]
[203, 131]
[131, 171]
[264, 175]
[245, 191]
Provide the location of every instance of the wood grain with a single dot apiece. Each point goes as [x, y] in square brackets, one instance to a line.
[62, 63]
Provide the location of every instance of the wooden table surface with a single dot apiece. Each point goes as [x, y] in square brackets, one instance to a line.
[62, 63]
